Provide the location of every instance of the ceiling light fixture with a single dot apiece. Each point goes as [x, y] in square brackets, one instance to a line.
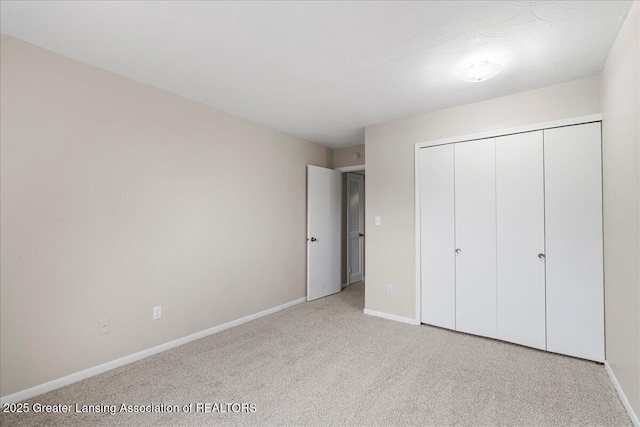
[480, 71]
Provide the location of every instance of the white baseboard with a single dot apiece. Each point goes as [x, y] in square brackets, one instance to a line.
[623, 397]
[79, 376]
[391, 317]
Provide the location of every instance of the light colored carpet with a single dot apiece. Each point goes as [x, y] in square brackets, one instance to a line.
[326, 363]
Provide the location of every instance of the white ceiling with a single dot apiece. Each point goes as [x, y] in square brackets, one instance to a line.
[325, 70]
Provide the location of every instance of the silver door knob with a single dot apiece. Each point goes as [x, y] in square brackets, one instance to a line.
[458, 251]
[541, 256]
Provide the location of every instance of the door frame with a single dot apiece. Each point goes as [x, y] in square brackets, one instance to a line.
[354, 168]
[462, 138]
[345, 169]
[361, 214]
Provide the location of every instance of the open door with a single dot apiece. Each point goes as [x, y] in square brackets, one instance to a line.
[324, 199]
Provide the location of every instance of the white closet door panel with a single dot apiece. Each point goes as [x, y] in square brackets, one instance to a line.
[437, 236]
[573, 204]
[520, 238]
[475, 223]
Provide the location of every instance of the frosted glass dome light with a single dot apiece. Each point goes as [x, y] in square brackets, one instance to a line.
[480, 71]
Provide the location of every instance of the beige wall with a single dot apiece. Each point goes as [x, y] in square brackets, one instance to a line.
[344, 156]
[620, 80]
[117, 197]
[390, 248]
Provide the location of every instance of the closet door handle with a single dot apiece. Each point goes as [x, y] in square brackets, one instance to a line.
[541, 256]
[458, 251]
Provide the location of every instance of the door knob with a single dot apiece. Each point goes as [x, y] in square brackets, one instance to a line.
[458, 251]
[541, 256]
[313, 239]
[361, 235]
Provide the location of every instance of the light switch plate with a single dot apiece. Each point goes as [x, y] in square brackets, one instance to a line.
[157, 312]
[377, 220]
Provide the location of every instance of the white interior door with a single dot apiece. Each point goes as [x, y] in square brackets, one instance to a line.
[520, 239]
[355, 227]
[324, 203]
[573, 205]
[475, 222]
[437, 237]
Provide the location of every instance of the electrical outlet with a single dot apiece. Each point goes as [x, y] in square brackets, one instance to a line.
[104, 326]
[157, 312]
[389, 289]
[377, 220]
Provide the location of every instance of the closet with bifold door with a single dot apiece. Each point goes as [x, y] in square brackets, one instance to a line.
[510, 238]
